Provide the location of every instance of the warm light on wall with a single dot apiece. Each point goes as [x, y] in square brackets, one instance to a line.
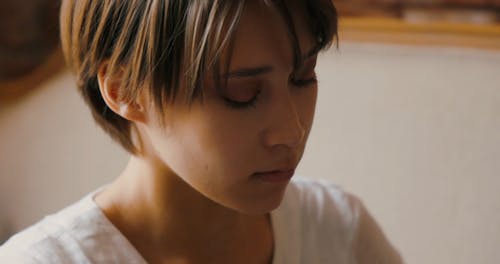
[461, 23]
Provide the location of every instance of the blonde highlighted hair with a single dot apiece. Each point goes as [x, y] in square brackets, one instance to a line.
[160, 44]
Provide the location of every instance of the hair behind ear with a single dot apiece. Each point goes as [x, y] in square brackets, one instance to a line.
[113, 124]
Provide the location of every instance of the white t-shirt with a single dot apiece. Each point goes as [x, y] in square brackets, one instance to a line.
[317, 222]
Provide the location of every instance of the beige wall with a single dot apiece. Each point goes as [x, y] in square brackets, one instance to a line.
[415, 132]
[51, 153]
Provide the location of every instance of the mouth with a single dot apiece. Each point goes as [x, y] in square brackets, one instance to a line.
[276, 176]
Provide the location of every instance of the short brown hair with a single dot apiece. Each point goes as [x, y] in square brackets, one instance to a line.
[159, 44]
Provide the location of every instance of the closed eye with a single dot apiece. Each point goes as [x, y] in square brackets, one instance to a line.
[304, 82]
[241, 105]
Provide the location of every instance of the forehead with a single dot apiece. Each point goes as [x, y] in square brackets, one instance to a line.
[263, 36]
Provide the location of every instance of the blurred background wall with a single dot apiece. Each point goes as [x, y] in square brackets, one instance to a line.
[413, 131]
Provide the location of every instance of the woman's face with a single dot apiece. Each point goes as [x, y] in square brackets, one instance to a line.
[258, 123]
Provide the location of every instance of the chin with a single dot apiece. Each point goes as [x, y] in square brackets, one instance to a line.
[263, 204]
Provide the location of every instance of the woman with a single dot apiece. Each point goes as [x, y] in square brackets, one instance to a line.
[214, 100]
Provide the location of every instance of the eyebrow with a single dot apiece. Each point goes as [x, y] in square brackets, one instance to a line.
[253, 72]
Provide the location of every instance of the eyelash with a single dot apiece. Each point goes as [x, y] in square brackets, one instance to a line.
[304, 83]
[242, 105]
[252, 102]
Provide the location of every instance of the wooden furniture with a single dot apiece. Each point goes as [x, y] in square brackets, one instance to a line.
[29, 41]
[455, 23]
[391, 30]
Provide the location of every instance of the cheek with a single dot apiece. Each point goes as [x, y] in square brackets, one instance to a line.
[228, 138]
[306, 105]
[214, 141]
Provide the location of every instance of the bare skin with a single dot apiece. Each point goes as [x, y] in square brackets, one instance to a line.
[191, 196]
[202, 233]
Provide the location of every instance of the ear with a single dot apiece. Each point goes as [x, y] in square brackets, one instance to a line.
[111, 87]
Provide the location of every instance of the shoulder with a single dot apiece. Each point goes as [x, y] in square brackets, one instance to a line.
[318, 219]
[336, 217]
[326, 205]
[370, 244]
[63, 237]
[29, 245]
[325, 198]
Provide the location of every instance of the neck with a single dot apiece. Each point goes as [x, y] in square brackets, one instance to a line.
[174, 214]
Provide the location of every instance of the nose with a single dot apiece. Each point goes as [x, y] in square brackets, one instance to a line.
[285, 128]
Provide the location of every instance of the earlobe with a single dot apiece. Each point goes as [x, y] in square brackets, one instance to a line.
[110, 86]
[132, 112]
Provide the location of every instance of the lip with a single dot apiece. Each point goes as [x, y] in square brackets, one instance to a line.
[278, 176]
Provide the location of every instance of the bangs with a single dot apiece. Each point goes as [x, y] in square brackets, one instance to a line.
[323, 20]
[210, 28]
[321, 17]
[165, 47]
